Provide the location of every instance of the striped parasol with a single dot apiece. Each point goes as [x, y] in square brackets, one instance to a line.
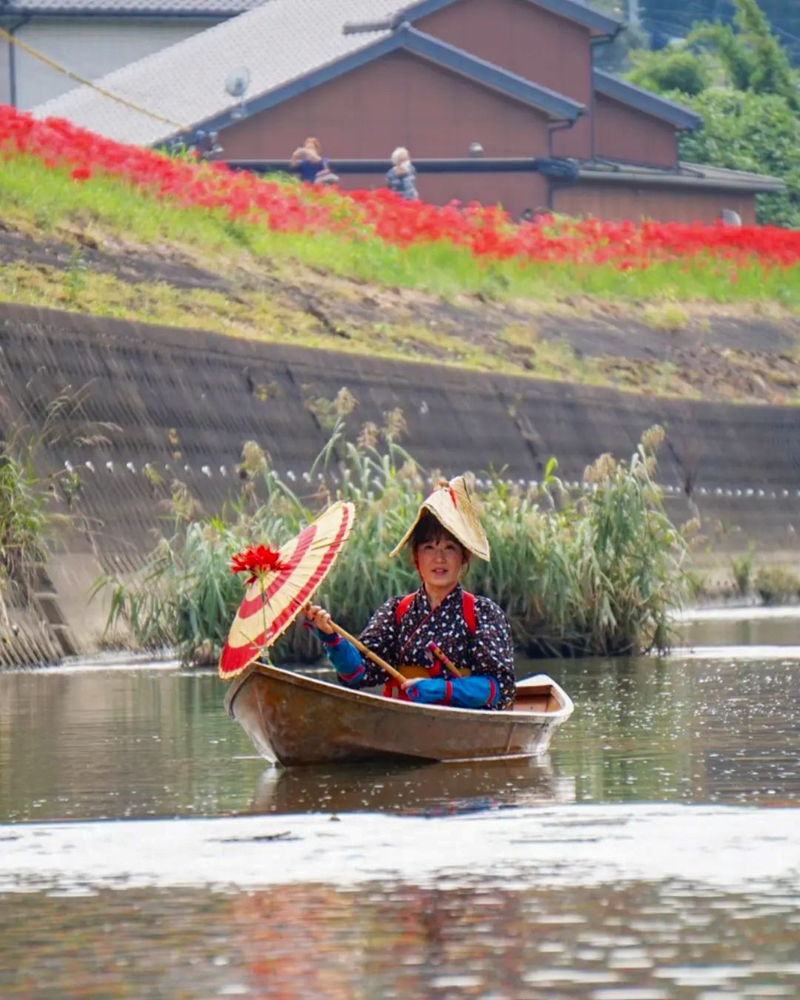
[281, 583]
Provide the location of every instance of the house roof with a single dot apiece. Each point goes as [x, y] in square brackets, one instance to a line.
[185, 83]
[128, 8]
[689, 175]
[279, 42]
[573, 10]
[554, 104]
[644, 100]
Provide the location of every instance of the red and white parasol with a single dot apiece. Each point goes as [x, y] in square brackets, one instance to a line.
[281, 583]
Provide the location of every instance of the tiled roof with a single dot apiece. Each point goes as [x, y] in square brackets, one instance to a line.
[691, 175]
[556, 105]
[288, 46]
[127, 8]
[279, 42]
[574, 10]
[645, 100]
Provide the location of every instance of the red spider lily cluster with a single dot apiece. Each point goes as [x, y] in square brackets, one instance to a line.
[486, 232]
[257, 560]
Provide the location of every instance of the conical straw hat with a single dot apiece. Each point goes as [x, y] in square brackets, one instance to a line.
[451, 505]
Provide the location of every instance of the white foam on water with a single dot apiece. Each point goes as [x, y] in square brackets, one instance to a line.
[736, 849]
[742, 613]
[733, 653]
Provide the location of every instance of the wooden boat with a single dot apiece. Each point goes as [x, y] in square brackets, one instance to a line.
[301, 720]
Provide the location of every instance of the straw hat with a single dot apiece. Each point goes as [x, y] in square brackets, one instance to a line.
[451, 505]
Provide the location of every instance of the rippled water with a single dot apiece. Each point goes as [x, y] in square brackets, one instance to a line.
[655, 853]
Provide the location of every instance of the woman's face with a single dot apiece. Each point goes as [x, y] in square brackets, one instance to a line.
[439, 563]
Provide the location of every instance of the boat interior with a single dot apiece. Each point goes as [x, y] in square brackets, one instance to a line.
[539, 698]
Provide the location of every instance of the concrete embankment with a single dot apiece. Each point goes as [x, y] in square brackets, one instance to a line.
[159, 404]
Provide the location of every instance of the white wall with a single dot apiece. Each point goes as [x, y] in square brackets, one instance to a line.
[5, 77]
[91, 47]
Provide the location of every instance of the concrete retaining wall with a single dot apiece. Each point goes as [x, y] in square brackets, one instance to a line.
[182, 403]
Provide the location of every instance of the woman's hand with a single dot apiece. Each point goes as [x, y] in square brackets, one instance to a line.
[319, 618]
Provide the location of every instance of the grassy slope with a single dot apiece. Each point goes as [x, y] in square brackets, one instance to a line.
[101, 248]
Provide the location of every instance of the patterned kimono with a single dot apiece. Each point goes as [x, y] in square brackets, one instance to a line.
[488, 652]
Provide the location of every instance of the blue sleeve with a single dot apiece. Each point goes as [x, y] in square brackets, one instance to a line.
[460, 692]
[345, 658]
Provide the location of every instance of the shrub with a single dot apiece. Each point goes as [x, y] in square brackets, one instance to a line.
[776, 584]
[742, 570]
[594, 573]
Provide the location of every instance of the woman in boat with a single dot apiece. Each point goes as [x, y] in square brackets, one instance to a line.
[471, 632]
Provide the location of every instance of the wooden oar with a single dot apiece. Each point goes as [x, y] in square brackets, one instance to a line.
[442, 657]
[368, 653]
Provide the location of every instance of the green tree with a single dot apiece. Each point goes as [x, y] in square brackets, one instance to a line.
[674, 69]
[739, 79]
[675, 18]
[752, 56]
[750, 131]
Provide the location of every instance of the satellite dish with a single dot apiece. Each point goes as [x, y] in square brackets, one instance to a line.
[237, 82]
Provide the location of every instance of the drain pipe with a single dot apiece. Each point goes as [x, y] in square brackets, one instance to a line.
[552, 183]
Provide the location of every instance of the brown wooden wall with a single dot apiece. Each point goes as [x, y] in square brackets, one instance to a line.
[515, 192]
[398, 100]
[630, 202]
[623, 133]
[532, 42]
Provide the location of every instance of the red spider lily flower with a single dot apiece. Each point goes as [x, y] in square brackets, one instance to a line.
[484, 232]
[257, 560]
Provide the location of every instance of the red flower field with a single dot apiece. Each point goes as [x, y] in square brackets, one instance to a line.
[486, 232]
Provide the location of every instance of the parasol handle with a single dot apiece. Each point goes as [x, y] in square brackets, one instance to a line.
[443, 658]
[368, 653]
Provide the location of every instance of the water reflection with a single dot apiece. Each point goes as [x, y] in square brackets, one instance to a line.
[741, 627]
[422, 789]
[154, 743]
[119, 743]
[390, 939]
[684, 730]
[510, 886]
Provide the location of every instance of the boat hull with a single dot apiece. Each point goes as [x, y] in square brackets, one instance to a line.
[301, 720]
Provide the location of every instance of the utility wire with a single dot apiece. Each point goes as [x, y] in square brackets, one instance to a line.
[36, 54]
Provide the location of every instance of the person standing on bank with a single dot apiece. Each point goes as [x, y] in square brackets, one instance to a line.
[308, 161]
[402, 177]
[471, 631]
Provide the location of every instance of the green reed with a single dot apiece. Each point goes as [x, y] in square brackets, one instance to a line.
[587, 572]
[29, 499]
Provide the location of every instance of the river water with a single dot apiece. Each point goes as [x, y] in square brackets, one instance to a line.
[145, 851]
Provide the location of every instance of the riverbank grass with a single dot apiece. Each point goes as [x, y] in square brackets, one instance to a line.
[44, 201]
[588, 572]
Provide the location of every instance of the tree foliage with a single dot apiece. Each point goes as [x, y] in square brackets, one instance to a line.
[749, 131]
[666, 19]
[739, 78]
[672, 70]
[752, 56]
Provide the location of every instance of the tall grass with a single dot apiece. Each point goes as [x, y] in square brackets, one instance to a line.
[27, 519]
[590, 573]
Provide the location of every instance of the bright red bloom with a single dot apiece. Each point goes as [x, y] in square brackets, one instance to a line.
[257, 561]
[485, 232]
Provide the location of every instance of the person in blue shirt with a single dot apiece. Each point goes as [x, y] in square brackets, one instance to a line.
[308, 161]
[472, 632]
